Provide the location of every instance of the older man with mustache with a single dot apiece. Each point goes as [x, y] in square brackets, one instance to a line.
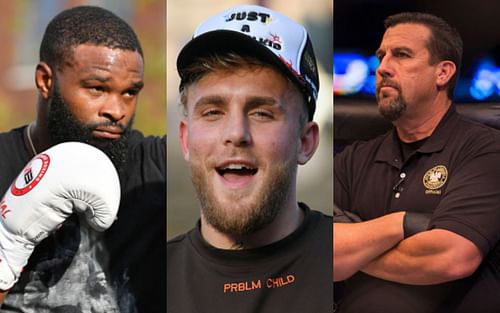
[433, 162]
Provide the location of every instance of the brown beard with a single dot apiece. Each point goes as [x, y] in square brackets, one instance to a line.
[245, 217]
[395, 108]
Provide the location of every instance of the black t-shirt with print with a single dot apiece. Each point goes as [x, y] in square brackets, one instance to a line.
[80, 270]
[293, 275]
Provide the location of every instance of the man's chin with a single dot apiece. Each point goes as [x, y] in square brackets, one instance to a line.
[233, 215]
[232, 195]
[385, 102]
[229, 200]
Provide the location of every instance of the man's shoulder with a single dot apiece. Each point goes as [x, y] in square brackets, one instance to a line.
[364, 148]
[322, 216]
[180, 241]
[317, 223]
[469, 125]
[481, 114]
[476, 135]
[11, 135]
[176, 241]
[147, 150]
[323, 227]
[179, 249]
[137, 139]
[13, 154]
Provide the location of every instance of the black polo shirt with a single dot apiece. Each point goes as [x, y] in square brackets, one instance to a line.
[455, 175]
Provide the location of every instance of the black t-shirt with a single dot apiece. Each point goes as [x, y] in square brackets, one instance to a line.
[80, 270]
[293, 275]
[455, 175]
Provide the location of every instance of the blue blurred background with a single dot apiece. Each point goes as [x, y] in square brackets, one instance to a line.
[358, 29]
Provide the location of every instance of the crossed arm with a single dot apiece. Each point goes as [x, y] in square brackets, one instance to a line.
[377, 248]
[356, 245]
[431, 257]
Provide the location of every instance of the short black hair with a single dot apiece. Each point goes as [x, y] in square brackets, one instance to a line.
[444, 43]
[85, 25]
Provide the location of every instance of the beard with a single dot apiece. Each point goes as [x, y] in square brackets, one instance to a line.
[241, 215]
[391, 108]
[63, 127]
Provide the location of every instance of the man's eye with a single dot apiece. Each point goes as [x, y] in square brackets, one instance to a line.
[261, 114]
[131, 92]
[402, 54]
[95, 89]
[212, 113]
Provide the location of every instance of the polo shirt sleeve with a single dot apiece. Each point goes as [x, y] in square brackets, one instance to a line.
[470, 206]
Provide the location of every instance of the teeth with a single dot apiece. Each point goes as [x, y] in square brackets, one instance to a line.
[234, 167]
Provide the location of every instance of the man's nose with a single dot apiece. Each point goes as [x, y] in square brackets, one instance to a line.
[114, 108]
[385, 68]
[237, 130]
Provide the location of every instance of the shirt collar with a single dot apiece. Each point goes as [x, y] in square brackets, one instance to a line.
[389, 150]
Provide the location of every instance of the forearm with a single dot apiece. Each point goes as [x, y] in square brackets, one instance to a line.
[431, 257]
[355, 245]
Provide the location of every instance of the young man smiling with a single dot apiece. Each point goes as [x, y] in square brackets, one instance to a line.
[249, 84]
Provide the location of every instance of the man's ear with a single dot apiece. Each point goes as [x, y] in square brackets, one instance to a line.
[309, 140]
[44, 79]
[444, 71]
[184, 138]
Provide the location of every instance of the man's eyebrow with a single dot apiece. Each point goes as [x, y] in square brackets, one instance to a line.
[138, 85]
[210, 99]
[99, 78]
[381, 52]
[104, 79]
[261, 100]
[250, 102]
[403, 49]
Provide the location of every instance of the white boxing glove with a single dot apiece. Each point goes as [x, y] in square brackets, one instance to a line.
[69, 177]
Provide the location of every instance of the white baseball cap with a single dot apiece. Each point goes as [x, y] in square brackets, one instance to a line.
[262, 33]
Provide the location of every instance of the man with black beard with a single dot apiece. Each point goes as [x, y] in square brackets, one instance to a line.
[249, 99]
[88, 79]
[433, 161]
[63, 126]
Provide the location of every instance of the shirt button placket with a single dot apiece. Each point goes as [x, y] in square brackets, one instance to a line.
[399, 189]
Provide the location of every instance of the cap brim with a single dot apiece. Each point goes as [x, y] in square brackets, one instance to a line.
[226, 40]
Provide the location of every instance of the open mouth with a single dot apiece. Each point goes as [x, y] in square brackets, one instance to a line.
[236, 170]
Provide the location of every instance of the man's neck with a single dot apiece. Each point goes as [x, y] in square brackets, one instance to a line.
[34, 141]
[421, 126]
[286, 222]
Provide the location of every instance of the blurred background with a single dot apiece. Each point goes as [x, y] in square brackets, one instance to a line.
[315, 185]
[22, 24]
[358, 29]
